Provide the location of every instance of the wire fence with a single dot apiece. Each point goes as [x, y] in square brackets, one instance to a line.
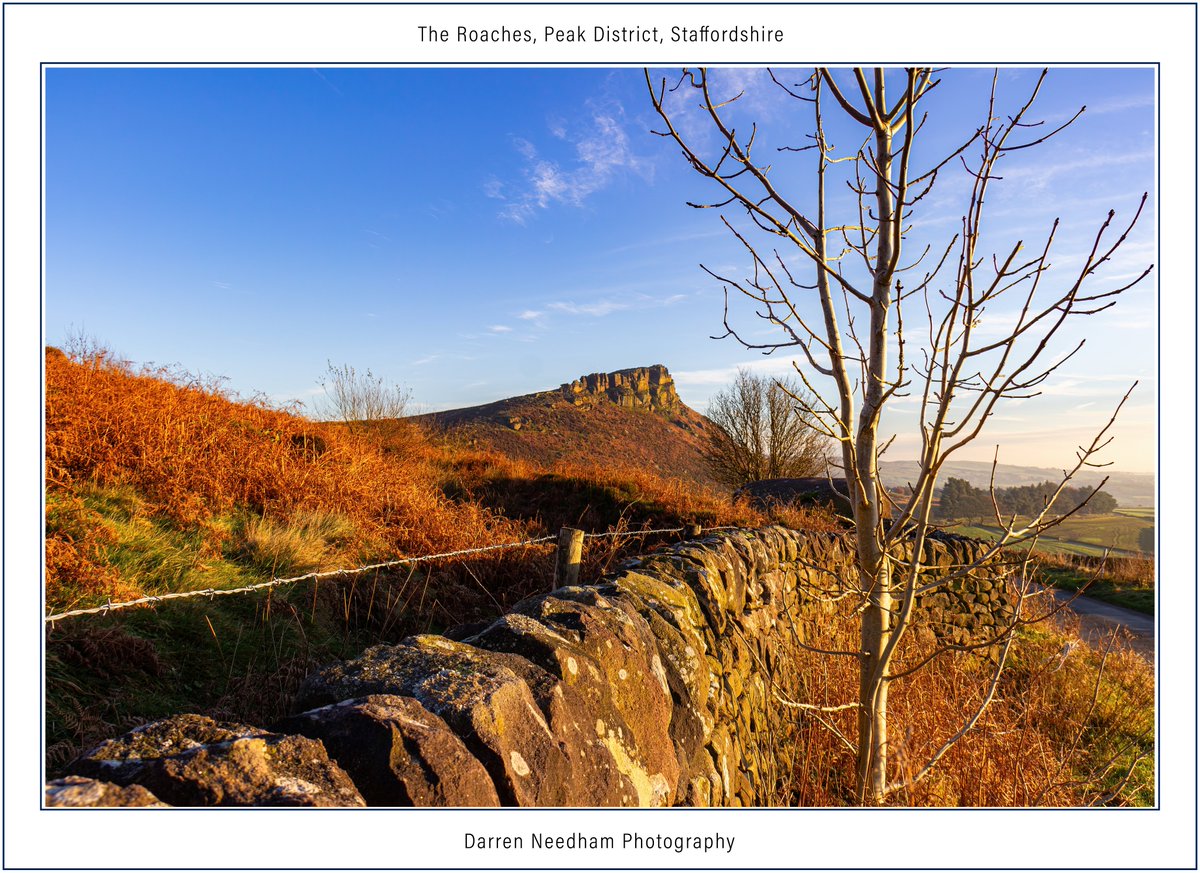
[352, 571]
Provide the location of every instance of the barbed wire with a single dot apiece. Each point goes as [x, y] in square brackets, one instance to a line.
[662, 530]
[353, 571]
[631, 533]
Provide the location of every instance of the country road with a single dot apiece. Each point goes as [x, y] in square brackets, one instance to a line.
[1097, 620]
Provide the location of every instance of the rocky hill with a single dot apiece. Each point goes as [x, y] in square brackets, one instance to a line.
[629, 417]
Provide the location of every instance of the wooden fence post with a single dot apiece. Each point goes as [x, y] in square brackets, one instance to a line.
[570, 552]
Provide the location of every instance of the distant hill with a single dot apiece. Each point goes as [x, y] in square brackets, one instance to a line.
[629, 417]
[1129, 489]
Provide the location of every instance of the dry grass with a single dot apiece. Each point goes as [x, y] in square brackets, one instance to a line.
[195, 457]
[1120, 569]
[599, 496]
[298, 544]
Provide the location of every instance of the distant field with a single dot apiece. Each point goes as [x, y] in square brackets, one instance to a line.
[1146, 512]
[1045, 544]
[1084, 534]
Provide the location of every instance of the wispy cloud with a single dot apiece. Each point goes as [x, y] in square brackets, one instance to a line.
[535, 318]
[526, 148]
[441, 209]
[1117, 103]
[1037, 175]
[499, 328]
[1103, 387]
[759, 96]
[1088, 208]
[1122, 102]
[608, 305]
[602, 154]
[760, 100]
[597, 308]
[675, 239]
[439, 356]
[721, 376]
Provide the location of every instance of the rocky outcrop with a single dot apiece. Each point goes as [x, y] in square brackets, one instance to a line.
[191, 760]
[658, 685]
[636, 388]
[81, 791]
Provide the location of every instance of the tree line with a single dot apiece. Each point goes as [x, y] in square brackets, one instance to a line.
[960, 499]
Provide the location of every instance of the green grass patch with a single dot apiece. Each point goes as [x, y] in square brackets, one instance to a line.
[1096, 709]
[1114, 531]
[152, 554]
[1118, 533]
[1129, 595]
[1046, 545]
[238, 657]
[1145, 513]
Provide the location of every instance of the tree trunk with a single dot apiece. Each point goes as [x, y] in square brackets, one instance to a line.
[874, 569]
[871, 766]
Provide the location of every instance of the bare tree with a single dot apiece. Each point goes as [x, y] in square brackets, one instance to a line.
[761, 433]
[861, 351]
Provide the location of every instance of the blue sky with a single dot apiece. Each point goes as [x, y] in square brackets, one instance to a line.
[478, 233]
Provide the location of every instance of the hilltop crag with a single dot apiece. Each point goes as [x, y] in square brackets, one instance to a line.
[635, 388]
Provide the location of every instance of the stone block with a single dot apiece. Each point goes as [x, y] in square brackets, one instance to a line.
[80, 791]
[486, 698]
[191, 760]
[397, 752]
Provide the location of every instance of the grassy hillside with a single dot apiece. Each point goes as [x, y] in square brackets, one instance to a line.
[157, 482]
[134, 455]
[544, 429]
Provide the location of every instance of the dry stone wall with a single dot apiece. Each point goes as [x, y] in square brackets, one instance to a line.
[651, 687]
